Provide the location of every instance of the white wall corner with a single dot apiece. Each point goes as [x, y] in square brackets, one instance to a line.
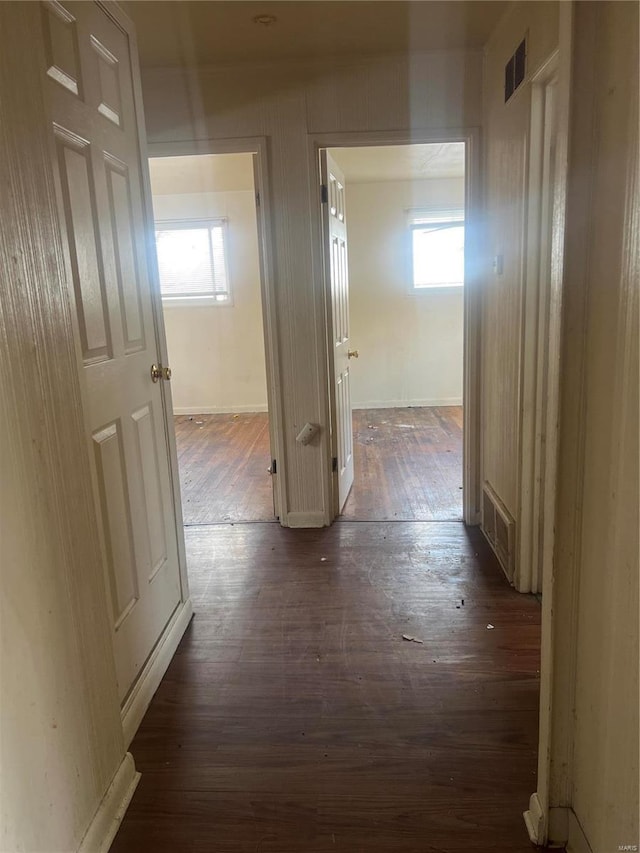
[558, 826]
[107, 819]
[577, 842]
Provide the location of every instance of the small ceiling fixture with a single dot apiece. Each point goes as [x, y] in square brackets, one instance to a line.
[265, 20]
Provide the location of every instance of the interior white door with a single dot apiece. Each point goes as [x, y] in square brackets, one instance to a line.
[335, 248]
[90, 91]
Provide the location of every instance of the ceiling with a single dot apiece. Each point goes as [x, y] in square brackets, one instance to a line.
[210, 32]
[201, 173]
[401, 162]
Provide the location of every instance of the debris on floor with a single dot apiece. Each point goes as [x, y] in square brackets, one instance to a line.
[490, 626]
[323, 559]
[410, 639]
[199, 422]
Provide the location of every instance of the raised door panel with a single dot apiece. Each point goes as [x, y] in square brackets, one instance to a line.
[115, 516]
[338, 336]
[79, 205]
[61, 46]
[110, 97]
[346, 445]
[126, 267]
[145, 439]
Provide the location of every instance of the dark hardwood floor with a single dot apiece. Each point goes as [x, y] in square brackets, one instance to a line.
[294, 718]
[224, 462]
[408, 466]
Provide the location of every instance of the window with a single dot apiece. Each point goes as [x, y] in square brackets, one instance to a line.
[437, 248]
[192, 261]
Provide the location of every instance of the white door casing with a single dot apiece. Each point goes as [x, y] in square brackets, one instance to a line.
[257, 147]
[541, 335]
[335, 253]
[99, 175]
[473, 280]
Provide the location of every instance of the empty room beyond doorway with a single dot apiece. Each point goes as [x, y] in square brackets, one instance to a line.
[405, 223]
[211, 278]
[408, 465]
[224, 467]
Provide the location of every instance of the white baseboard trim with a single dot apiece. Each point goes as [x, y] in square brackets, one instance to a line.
[558, 832]
[220, 410]
[577, 842]
[306, 519]
[149, 680]
[107, 819]
[474, 520]
[406, 404]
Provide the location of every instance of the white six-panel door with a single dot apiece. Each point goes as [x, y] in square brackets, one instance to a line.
[335, 250]
[89, 86]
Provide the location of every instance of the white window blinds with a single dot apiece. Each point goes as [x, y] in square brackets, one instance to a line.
[192, 260]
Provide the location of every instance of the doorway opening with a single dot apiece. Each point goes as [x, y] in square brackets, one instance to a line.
[400, 211]
[211, 273]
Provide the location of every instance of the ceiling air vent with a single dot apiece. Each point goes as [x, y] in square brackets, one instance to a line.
[514, 70]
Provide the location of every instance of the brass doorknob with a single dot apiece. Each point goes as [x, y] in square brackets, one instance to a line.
[353, 353]
[159, 372]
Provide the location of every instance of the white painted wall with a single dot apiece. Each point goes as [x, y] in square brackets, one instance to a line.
[410, 342]
[590, 628]
[286, 103]
[505, 141]
[216, 352]
[596, 720]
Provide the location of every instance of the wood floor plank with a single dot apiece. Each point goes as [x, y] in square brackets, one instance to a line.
[294, 717]
[408, 466]
[223, 462]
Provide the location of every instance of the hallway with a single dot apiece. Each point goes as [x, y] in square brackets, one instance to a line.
[294, 716]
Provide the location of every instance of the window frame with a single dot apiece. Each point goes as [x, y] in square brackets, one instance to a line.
[201, 300]
[417, 219]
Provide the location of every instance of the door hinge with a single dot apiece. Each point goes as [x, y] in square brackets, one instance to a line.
[274, 467]
[257, 199]
[324, 194]
[334, 464]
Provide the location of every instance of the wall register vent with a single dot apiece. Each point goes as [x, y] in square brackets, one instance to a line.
[514, 70]
[499, 529]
